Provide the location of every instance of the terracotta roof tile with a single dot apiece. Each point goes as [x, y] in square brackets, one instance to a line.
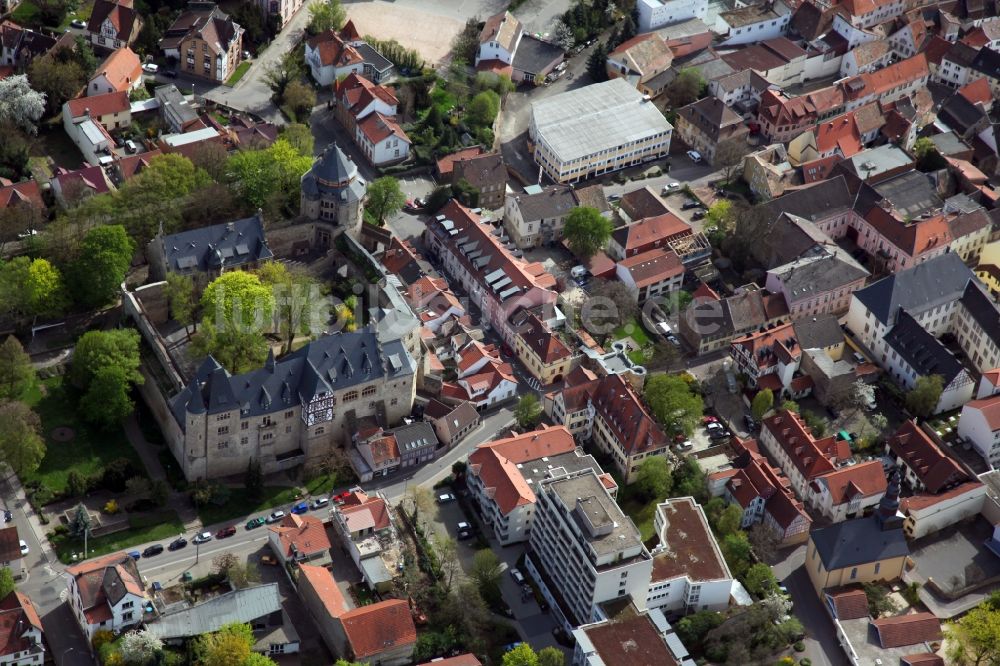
[325, 585]
[99, 105]
[304, 535]
[26, 192]
[935, 469]
[906, 630]
[122, 69]
[864, 480]
[461, 660]
[375, 507]
[545, 344]
[922, 659]
[651, 232]
[17, 616]
[378, 627]
[849, 603]
[121, 13]
[378, 127]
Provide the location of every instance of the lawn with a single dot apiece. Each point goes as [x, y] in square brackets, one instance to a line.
[82, 13]
[27, 14]
[327, 483]
[632, 329]
[87, 452]
[241, 69]
[153, 527]
[640, 511]
[239, 505]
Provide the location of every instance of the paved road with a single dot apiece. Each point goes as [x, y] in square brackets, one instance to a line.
[539, 17]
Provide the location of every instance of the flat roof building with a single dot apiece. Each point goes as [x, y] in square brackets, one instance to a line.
[597, 129]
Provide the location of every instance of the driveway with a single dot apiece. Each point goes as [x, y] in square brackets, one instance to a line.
[539, 17]
[821, 642]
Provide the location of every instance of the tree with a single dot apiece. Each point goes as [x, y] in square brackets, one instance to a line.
[298, 100]
[21, 446]
[466, 43]
[16, 371]
[687, 87]
[597, 63]
[653, 478]
[99, 270]
[326, 15]
[107, 401]
[140, 204]
[974, 640]
[447, 552]
[586, 231]
[159, 492]
[788, 406]
[254, 483]
[229, 646]
[281, 73]
[927, 154]
[6, 582]
[96, 350]
[76, 484]
[421, 501]
[719, 215]
[138, 487]
[181, 297]
[299, 137]
[31, 287]
[862, 394]
[610, 304]
[385, 198]
[736, 549]
[673, 403]
[923, 399]
[79, 524]
[238, 300]
[762, 403]
[521, 655]
[58, 78]
[528, 411]
[239, 573]
[550, 656]
[879, 423]
[483, 109]
[693, 628]
[729, 155]
[760, 581]
[139, 648]
[20, 105]
[300, 307]
[879, 602]
[729, 521]
[763, 540]
[260, 175]
[486, 572]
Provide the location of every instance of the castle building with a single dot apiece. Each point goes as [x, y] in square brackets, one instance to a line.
[333, 192]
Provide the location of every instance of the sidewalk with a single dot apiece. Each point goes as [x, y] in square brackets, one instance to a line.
[149, 454]
[38, 529]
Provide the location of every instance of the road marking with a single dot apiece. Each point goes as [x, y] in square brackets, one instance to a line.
[208, 551]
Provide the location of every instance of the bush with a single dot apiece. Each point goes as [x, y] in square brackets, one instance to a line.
[111, 507]
[799, 646]
[117, 473]
[805, 662]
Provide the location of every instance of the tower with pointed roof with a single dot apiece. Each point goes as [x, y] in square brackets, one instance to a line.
[332, 192]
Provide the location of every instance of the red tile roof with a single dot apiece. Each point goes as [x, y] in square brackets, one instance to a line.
[25, 192]
[977, 91]
[122, 15]
[923, 500]
[906, 630]
[990, 409]
[651, 232]
[122, 69]
[17, 616]
[849, 603]
[334, 50]
[769, 347]
[922, 659]
[99, 105]
[379, 627]
[325, 585]
[840, 133]
[653, 267]
[447, 163]
[375, 507]
[302, 535]
[130, 165]
[882, 81]
[810, 456]
[935, 469]
[914, 237]
[461, 660]
[626, 416]
[864, 480]
[357, 92]
[704, 291]
[495, 463]
[378, 127]
[545, 344]
[10, 547]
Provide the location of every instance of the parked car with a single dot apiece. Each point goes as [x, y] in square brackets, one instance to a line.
[614, 197]
[671, 187]
[226, 532]
[686, 445]
[672, 339]
[444, 498]
[708, 418]
[339, 499]
[688, 205]
[698, 215]
[751, 424]
[269, 560]
[319, 503]
[694, 155]
[7, 517]
[719, 434]
[276, 516]
[517, 576]
[24, 547]
[78, 23]
[150, 551]
[151, 68]
[301, 507]
[170, 73]
[714, 425]
[413, 206]
[254, 523]
[204, 537]
[177, 544]
[134, 554]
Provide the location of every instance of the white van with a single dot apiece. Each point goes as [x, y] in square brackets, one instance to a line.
[578, 272]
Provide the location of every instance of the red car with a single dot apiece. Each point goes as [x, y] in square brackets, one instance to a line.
[225, 532]
[339, 499]
[709, 419]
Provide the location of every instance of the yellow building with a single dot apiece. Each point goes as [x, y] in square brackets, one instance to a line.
[989, 268]
[863, 550]
[540, 350]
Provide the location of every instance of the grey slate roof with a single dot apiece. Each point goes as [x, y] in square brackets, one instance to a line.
[216, 247]
[555, 201]
[982, 309]
[816, 202]
[825, 270]
[921, 350]
[332, 363]
[938, 280]
[418, 435]
[534, 55]
[331, 168]
[855, 542]
[820, 331]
